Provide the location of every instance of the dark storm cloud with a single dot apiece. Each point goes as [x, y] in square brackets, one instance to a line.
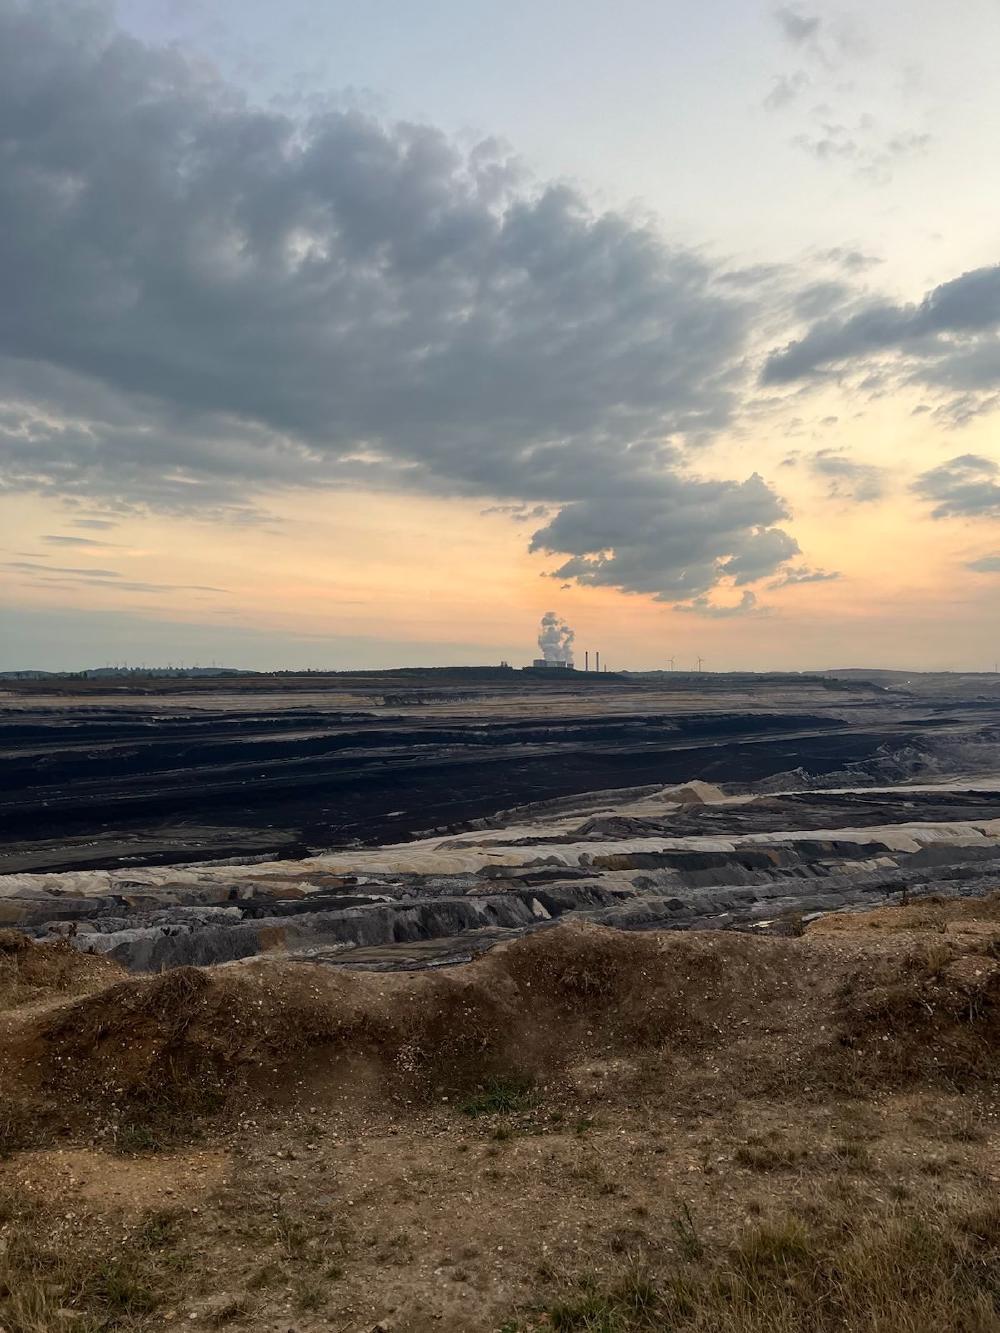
[205, 302]
[951, 335]
[964, 487]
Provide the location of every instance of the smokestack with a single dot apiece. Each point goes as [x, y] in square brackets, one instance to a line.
[586, 659]
[556, 639]
[598, 661]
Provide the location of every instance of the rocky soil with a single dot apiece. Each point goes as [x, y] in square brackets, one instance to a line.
[582, 1129]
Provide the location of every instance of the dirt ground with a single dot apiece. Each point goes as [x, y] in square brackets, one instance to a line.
[582, 1130]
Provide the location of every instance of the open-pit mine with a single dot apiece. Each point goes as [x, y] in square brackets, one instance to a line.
[411, 819]
[495, 1001]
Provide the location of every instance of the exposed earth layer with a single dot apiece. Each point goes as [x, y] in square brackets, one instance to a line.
[103, 776]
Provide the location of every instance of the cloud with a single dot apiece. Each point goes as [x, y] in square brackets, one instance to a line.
[987, 564]
[828, 42]
[76, 575]
[815, 298]
[206, 302]
[951, 332]
[851, 260]
[701, 606]
[965, 487]
[836, 133]
[761, 554]
[792, 577]
[848, 479]
[674, 542]
[520, 513]
[785, 89]
[798, 28]
[58, 539]
[34, 567]
[863, 144]
[832, 141]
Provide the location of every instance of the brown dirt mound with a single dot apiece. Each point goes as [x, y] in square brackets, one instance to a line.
[187, 1037]
[184, 1037]
[930, 913]
[646, 989]
[798, 1013]
[31, 971]
[932, 1015]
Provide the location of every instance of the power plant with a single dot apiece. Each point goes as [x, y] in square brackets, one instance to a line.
[555, 638]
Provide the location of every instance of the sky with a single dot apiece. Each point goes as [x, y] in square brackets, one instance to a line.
[364, 334]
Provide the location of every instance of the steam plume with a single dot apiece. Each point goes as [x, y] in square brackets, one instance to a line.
[556, 639]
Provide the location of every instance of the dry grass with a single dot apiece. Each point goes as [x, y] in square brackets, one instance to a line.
[770, 1156]
[884, 1272]
[326, 1219]
[30, 971]
[17, 1129]
[931, 913]
[53, 1279]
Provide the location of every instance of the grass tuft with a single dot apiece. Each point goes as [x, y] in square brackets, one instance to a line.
[504, 1094]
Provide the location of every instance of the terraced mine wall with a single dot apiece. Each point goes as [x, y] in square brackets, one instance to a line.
[145, 779]
[645, 858]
